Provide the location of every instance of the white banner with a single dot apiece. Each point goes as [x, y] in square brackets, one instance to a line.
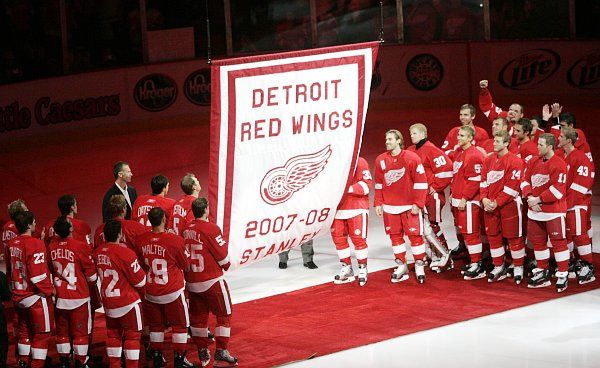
[285, 135]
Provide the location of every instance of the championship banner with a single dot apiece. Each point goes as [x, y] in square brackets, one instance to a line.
[286, 130]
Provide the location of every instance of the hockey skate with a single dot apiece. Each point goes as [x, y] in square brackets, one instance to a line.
[510, 271]
[475, 271]
[518, 274]
[362, 274]
[158, 360]
[224, 359]
[540, 278]
[443, 264]
[345, 275]
[420, 271]
[204, 356]
[400, 273]
[498, 273]
[562, 281]
[585, 273]
[574, 267]
[181, 361]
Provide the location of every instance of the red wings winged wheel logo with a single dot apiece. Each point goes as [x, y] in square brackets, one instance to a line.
[280, 183]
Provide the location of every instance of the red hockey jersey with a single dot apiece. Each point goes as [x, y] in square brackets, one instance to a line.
[400, 182]
[209, 254]
[451, 146]
[81, 231]
[72, 269]
[438, 166]
[131, 229]
[182, 213]
[501, 178]
[9, 231]
[120, 275]
[527, 151]
[546, 179]
[356, 199]
[580, 179]
[29, 274]
[467, 176]
[144, 203]
[165, 258]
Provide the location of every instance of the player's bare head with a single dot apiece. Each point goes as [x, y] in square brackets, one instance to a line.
[24, 221]
[158, 184]
[62, 226]
[418, 132]
[515, 112]
[200, 207]
[499, 124]
[469, 131]
[568, 134]
[535, 122]
[546, 145]
[117, 205]
[66, 204]
[567, 119]
[524, 126]
[156, 216]
[122, 170]
[504, 135]
[112, 231]
[467, 114]
[188, 182]
[393, 139]
[15, 207]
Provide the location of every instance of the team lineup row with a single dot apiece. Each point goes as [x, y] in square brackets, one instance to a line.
[520, 184]
[147, 277]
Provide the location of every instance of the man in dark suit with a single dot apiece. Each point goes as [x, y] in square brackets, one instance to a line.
[123, 174]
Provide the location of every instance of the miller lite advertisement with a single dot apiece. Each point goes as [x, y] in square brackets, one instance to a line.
[286, 130]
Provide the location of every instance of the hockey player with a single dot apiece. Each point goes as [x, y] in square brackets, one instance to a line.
[31, 290]
[352, 219]
[67, 205]
[208, 290]
[438, 169]
[499, 124]
[121, 278]
[467, 115]
[165, 257]
[579, 183]
[544, 187]
[489, 108]
[182, 210]
[9, 230]
[465, 199]
[72, 270]
[526, 148]
[144, 203]
[501, 200]
[117, 206]
[400, 192]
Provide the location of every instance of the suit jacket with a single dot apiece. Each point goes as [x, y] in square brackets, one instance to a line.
[116, 190]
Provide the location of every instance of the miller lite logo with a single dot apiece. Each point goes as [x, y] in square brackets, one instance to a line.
[585, 72]
[280, 183]
[494, 176]
[155, 92]
[539, 180]
[529, 69]
[197, 87]
[393, 176]
[456, 166]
